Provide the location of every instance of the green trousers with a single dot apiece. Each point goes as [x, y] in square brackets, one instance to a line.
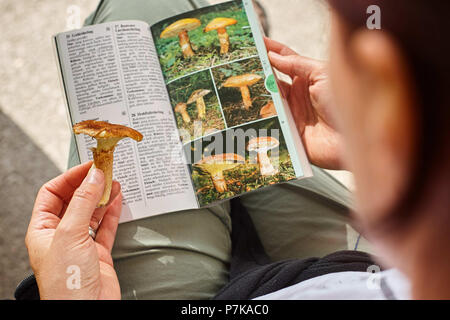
[185, 255]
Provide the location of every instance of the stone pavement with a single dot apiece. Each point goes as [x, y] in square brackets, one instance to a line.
[34, 133]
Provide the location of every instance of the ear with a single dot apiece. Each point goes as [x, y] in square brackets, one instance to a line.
[388, 117]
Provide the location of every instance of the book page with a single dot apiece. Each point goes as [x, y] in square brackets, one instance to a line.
[237, 134]
[111, 73]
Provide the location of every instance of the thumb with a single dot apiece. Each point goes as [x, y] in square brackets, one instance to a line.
[84, 201]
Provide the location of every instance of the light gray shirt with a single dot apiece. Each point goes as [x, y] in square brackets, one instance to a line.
[385, 285]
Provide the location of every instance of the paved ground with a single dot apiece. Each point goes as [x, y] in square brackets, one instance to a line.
[34, 134]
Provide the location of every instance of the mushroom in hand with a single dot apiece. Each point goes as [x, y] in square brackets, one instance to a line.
[242, 82]
[180, 28]
[261, 146]
[268, 110]
[181, 109]
[216, 165]
[221, 24]
[107, 136]
[197, 96]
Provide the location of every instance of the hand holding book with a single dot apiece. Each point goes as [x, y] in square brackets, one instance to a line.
[199, 87]
[310, 103]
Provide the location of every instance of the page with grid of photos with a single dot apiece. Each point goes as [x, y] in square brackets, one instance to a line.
[236, 129]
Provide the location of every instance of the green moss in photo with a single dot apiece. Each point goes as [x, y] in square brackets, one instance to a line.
[231, 98]
[246, 176]
[206, 46]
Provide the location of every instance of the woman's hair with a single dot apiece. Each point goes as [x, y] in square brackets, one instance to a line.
[421, 29]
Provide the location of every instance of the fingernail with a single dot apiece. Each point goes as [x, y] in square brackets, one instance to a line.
[272, 53]
[95, 176]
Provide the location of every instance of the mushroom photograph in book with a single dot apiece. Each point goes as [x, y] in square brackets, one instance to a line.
[238, 160]
[204, 38]
[196, 106]
[242, 92]
[180, 30]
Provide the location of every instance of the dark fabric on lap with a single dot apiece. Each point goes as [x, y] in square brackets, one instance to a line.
[27, 289]
[252, 274]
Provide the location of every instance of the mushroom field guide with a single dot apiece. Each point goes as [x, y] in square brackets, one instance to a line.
[198, 98]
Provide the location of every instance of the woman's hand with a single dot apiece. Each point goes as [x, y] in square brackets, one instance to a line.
[311, 104]
[67, 262]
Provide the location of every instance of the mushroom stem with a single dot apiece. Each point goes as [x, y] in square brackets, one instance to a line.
[224, 40]
[185, 116]
[181, 109]
[265, 166]
[245, 92]
[103, 160]
[219, 181]
[201, 108]
[185, 44]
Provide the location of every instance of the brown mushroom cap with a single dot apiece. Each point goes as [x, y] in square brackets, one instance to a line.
[180, 107]
[268, 110]
[243, 80]
[105, 130]
[197, 94]
[262, 144]
[219, 23]
[175, 28]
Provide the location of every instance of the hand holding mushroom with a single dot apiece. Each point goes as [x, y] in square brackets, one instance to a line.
[107, 136]
[261, 146]
[242, 82]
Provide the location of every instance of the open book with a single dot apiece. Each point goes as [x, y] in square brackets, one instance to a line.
[200, 88]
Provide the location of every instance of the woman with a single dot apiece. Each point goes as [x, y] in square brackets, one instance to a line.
[379, 109]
